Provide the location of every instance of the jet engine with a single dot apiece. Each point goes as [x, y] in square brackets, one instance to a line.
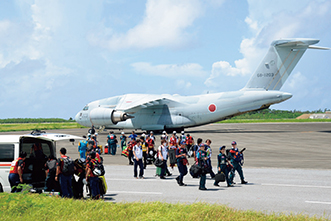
[106, 116]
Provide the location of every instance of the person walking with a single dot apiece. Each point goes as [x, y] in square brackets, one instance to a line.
[209, 152]
[223, 166]
[181, 163]
[112, 141]
[138, 160]
[202, 157]
[123, 140]
[163, 155]
[236, 157]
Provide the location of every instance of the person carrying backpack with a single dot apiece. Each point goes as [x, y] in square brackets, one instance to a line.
[93, 178]
[64, 171]
[236, 158]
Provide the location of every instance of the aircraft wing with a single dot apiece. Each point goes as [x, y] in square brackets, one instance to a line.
[133, 103]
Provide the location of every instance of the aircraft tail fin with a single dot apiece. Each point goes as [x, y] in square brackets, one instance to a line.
[279, 62]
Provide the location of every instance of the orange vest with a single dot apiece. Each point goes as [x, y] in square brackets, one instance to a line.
[14, 166]
[189, 140]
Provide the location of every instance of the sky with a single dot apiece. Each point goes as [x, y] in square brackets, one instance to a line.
[56, 56]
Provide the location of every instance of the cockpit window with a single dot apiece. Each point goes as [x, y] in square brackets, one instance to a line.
[85, 108]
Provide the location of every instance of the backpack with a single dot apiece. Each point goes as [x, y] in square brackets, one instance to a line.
[68, 166]
[51, 166]
[98, 169]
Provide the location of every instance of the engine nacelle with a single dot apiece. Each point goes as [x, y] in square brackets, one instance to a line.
[106, 116]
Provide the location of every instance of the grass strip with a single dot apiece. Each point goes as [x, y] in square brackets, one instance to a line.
[273, 120]
[40, 126]
[41, 207]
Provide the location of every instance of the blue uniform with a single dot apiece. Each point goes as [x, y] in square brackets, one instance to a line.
[202, 154]
[223, 167]
[112, 144]
[82, 146]
[181, 163]
[235, 161]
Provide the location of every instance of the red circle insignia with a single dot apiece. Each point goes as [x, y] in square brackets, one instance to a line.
[212, 108]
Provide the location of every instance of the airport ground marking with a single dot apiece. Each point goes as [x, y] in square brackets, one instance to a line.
[318, 202]
[294, 185]
[134, 192]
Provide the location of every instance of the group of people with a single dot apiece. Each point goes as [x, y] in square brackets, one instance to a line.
[178, 149]
[60, 174]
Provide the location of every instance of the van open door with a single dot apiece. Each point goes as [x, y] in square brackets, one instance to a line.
[39, 146]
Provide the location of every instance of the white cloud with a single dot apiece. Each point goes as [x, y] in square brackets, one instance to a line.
[183, 84]
[169, 70]
[164, 24]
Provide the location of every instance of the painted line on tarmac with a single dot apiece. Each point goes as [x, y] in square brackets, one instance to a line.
[132, 192]
[152, 180]
[293, 185]
[318, 202]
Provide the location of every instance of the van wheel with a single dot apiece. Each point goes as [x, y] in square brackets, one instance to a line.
[1, 189]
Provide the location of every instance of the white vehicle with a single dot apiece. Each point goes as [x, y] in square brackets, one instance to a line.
[33, 173]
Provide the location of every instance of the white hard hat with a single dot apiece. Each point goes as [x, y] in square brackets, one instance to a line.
[96, 134]
[151, 132]
[164, 132]
[122, 132]
[174, 132]
[183, 132]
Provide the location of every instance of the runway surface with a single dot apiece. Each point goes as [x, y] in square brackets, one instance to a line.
[269, 190]
[277, 145]
[287, 165]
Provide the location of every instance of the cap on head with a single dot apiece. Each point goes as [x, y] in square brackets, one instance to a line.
[164, 132]
[151, 132]
[122, 132]
[96, 134]
[174, 132]
[222, 147]
[182, 132]
[234, 143]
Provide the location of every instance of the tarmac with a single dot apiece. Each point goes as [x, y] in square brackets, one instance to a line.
[287, 166]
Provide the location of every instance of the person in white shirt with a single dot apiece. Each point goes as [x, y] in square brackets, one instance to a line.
[163, 155]
[138, 160]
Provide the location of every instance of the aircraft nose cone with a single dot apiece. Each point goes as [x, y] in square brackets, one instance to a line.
[77, 117]
[286, 96]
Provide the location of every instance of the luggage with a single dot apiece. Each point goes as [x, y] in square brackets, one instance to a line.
[125, 152]
[195, 170]
[220, 177]
[150, 157]
[158, 171]
[106, 149]
[158, 162]
[100, 148]
[102, 185]
[172, 156]
[98, 169]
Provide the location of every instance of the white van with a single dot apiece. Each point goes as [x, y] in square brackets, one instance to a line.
[33, 174]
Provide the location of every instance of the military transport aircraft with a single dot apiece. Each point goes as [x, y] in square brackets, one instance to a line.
[173, 112]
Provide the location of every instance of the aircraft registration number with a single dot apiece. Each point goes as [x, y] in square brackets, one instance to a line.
[259, 75]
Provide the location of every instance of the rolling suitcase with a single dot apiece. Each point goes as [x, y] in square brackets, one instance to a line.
[158, 171]
[106, 149]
